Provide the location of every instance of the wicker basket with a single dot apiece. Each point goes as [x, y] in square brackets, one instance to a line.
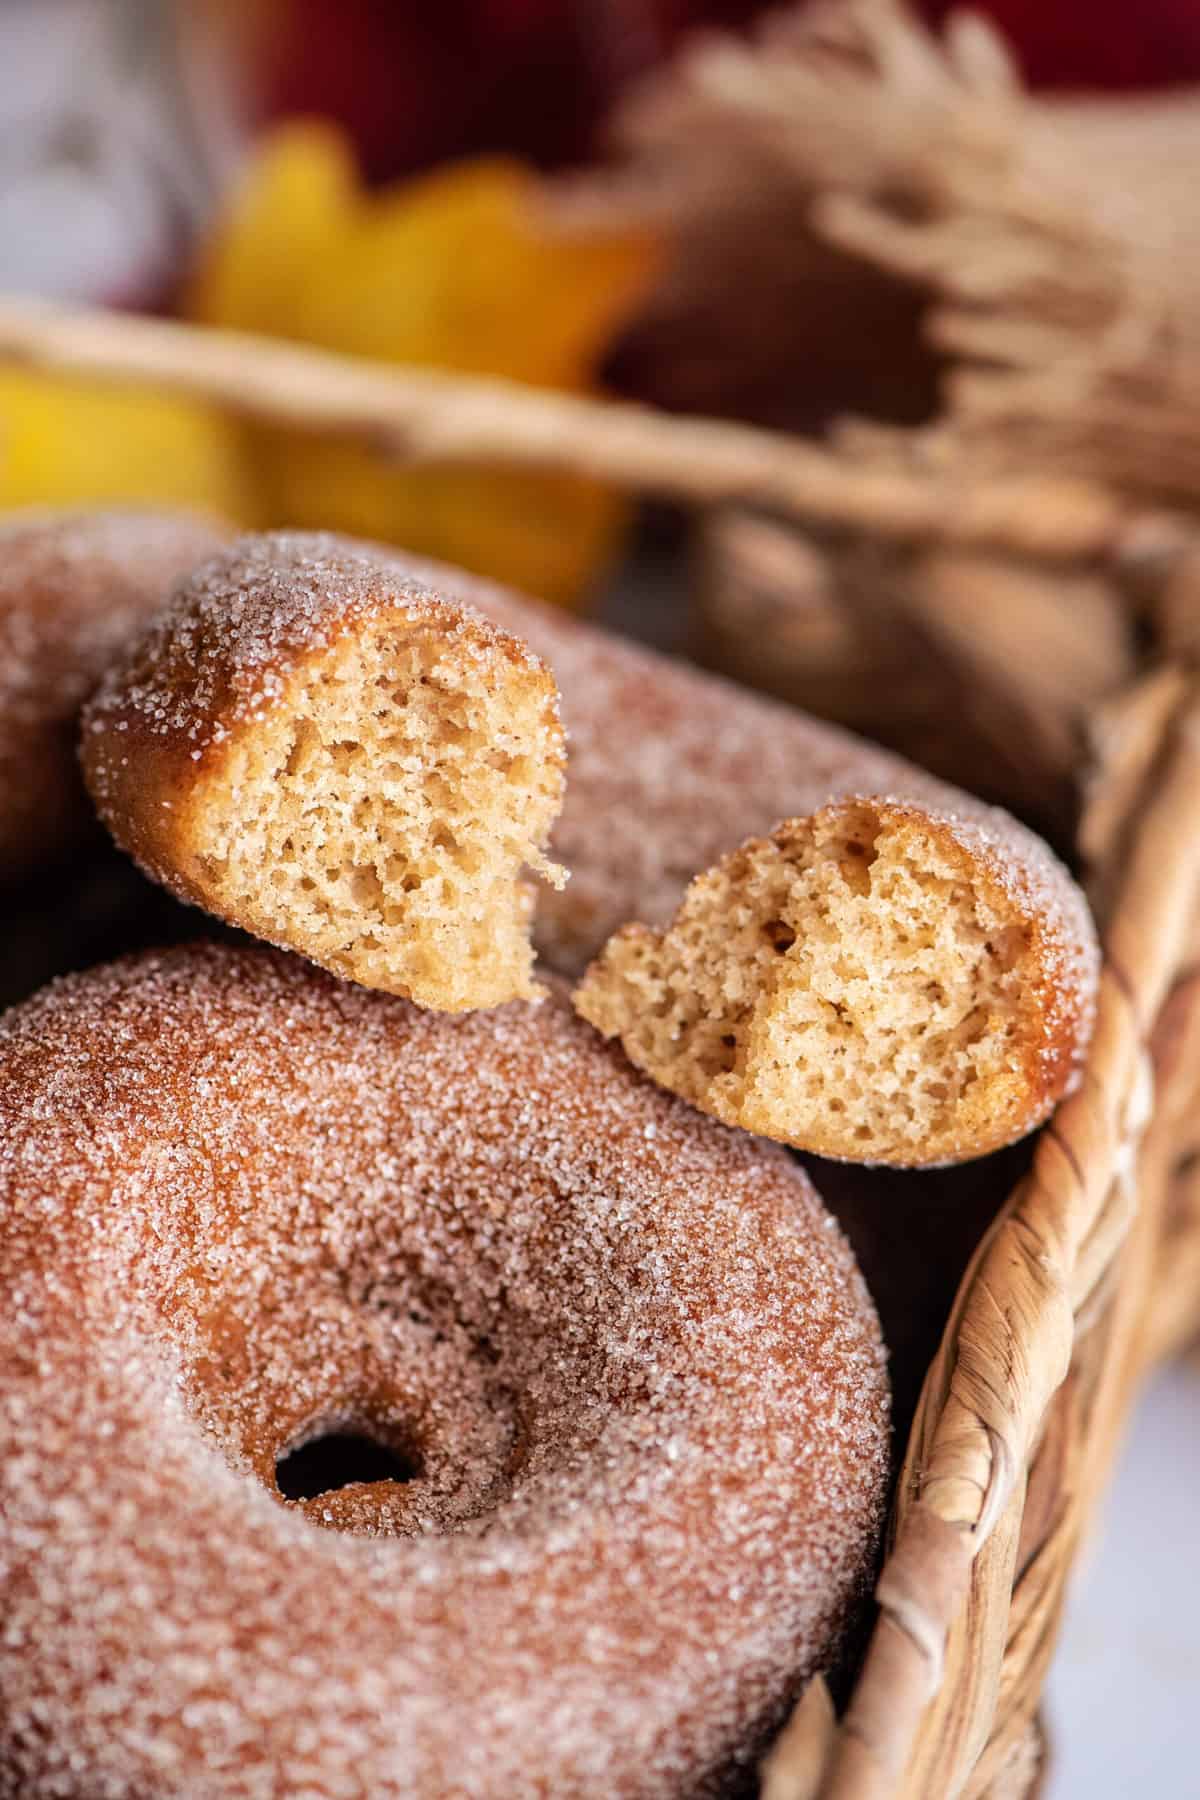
[1052, 1329]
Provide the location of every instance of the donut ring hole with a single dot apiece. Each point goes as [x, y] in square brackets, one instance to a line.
[368, 1408]
[343, 1453]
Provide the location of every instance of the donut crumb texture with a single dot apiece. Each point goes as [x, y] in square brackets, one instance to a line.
[381, 821]
[861, 984]
[372, 802]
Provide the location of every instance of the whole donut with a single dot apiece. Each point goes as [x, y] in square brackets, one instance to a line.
[74, 586]
[624, 1354]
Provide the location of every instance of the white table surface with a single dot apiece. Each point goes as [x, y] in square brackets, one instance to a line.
[1123, 1700]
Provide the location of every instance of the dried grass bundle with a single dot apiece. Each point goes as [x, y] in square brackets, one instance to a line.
[1046, 250]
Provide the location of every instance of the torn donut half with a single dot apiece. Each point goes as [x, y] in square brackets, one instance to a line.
[877, 982]
[311, 743]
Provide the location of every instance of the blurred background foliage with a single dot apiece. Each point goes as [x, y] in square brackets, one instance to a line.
[373, 179]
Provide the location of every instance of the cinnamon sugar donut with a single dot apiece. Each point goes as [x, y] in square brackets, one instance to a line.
[897, 973]
[623, 1355]
[73, 587]
[314, 747]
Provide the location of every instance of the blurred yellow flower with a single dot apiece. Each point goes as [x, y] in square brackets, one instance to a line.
[455, 270]
[66, 442]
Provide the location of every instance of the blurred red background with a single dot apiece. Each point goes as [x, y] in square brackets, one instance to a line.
[418, 82]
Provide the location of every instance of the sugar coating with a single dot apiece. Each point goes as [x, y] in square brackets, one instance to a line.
[270, 600]
[629, 1350]
[312, 745]
[873, 983]
[73, 587]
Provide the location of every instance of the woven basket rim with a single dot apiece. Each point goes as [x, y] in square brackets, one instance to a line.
[1058, 1266]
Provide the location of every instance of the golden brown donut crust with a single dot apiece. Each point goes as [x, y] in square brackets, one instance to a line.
[74, 587]
[311, 744]
[628, 1349]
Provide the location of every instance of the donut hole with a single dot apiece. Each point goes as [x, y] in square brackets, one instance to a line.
[856, 984]
[343, 1456]
[376, 1408]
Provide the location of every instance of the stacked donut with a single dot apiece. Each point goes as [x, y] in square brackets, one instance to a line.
[403, 1389]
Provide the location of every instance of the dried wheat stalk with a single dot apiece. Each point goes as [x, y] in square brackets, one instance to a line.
[1056, 244]
[424, 415]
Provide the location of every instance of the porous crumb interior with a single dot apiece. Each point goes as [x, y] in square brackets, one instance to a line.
[844, 985]
[381, 818]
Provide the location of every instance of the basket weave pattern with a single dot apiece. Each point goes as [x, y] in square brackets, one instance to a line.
[1053, 1328]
